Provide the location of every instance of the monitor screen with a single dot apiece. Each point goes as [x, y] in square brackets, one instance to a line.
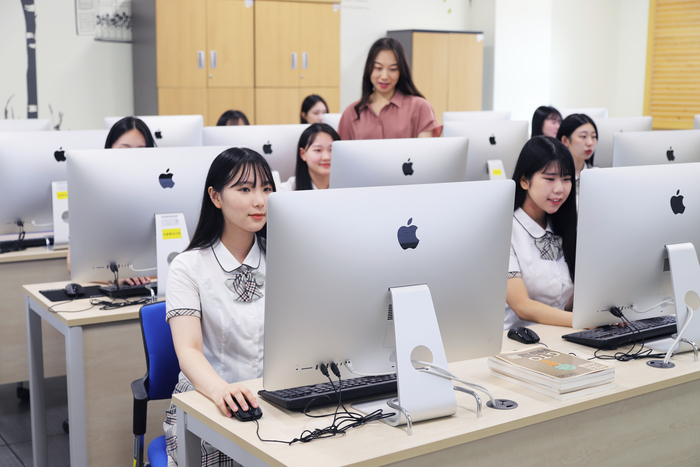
[608, 128]
[332, 256]
[626, 217]
[474, 115]
[28, 165]
[25, 124]
[383, 162]
[656, 147]
[170, 131]
[114, 195]
[593, 112]
[277, 143]
[332, 120]
[489, 140]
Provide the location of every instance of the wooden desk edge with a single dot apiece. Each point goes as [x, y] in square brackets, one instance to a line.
[32, 254]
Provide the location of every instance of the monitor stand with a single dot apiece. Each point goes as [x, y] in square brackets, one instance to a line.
[421, 396]
[496, 169]
[171, 240]
[59, 203]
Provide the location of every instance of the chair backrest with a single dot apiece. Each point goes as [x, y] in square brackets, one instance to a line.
[162, 365]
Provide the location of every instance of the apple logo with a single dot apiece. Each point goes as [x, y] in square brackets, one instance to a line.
[60, 155]
[407, 236]
[407, 167]
[677, 203]
[267, 148]
[492, 140]
[166, 179]
[159, 135]
[669, 154]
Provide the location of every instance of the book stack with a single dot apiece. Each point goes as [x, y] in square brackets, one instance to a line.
[553, 373]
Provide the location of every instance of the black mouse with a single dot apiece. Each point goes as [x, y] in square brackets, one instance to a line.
[253, 413]
[523, 335]
[74, 290]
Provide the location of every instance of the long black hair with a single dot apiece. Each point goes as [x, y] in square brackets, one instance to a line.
[570, 124]
[232, 115]
[538, 154]
[405, 83]
[128, 124]
[303, 178]
[241, 162]
[309, 102]
[541, 114]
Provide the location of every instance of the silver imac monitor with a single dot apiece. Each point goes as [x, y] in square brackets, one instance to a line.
[656, 147]
[490, 140]
[332, 256]
[170, 131]
[25, 124]
[277, 143]
[332, 120]
[28, 165]
[383, 162]
[608, 128]
[626, 217]
[475, 115]
[593, 112]
[114, 195]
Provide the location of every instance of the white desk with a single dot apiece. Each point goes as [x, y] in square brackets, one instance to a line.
[652, 418]
[104, 354]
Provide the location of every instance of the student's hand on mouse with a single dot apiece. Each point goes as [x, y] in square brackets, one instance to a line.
[234, 396]
[135, 281]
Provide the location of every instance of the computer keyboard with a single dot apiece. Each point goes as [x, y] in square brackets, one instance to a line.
[613, 336]
[298, 398]
[126, 291]
[18, 245]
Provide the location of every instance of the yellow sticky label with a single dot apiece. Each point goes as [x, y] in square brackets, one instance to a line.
[61, 195]
[169, 234]
[497, 171]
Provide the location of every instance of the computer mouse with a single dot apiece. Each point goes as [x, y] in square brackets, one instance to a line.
[253, 413]
[523, 335]
[74, 290]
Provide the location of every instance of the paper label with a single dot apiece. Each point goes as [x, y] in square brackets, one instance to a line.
[497, 171]
[169, 234]
[61, 195]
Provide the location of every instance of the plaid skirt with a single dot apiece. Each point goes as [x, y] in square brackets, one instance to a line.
[211, 457]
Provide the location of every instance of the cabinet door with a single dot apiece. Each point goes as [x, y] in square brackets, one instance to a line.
[429, 69]
[180, 38]
[277, 106]
[277, 57]
[465, 73]
[319, 44]
[219, 100]
[182, 101]
[330, 95]
[230, 46]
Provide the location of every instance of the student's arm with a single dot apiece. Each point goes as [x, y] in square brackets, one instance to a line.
[532, 310]
[425, 134]
[187, 337]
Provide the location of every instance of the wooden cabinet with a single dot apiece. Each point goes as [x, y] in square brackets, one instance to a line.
[447, 67]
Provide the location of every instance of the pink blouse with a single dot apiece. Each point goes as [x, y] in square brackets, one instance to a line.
[404, 117]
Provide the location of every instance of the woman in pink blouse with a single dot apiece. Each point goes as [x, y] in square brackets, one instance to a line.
[391, 106]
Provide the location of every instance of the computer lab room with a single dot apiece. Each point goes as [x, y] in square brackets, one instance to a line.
[349, 233]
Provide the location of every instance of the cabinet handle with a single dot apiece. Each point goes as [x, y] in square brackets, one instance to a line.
[212, 58]
[305, 60]
[200, 59]
[294, 60]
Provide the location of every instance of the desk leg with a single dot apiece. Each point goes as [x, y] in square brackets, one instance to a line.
[75, 370]
[36, 387]
[189, 445]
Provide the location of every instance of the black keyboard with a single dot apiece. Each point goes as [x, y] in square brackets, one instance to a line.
[126, 291]
[355, 388]
[613, 336]
[19, 245]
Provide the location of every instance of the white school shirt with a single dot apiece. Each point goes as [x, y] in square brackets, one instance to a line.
[547, 281]
[232, 331]
[291, 185]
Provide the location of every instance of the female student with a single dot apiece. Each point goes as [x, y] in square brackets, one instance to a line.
[313, 169]
[579, 133]
[546, 121]
[232, 118]
[543, 243]
[312, 109]
[391, 106]
[216, 290]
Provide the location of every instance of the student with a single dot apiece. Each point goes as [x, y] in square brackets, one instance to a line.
[546, 121]
[391, 106]
[543, 242]
[313, 169]
[312, 109]
[579, 133]
[216, 290]
[232, 118]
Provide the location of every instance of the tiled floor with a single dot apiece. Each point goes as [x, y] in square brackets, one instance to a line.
[15, 426]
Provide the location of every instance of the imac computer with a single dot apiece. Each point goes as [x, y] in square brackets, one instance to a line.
[333, 255]
[25, 124]
[656, 147]
[332, 120]
[497, 140]
[593, 112]
[114, 197]
[476, 115]
[170, 131]
[277, 143]
[608, 128]
[383, 162]
[28, 165]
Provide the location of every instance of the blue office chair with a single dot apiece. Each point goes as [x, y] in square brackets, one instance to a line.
[162, 370]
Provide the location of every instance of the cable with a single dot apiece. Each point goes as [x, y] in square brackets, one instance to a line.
[630, 354]
[633, 307]
[351, 369]
[443, 373]
[679, 336]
